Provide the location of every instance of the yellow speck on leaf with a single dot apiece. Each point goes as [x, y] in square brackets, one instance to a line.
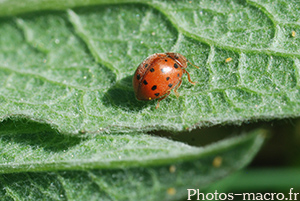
[228, 59]
[171, 191]
[217, 162]
[172, 168]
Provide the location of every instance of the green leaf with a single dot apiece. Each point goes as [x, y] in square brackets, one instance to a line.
[73, 70]
[129, 167]
[70, 71]
[49, 151]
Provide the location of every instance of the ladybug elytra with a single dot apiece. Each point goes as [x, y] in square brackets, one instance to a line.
[157, 75]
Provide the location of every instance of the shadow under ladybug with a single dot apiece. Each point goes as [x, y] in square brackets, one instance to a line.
[121, 95]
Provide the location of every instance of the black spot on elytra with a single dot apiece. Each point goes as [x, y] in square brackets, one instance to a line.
[167, 78]
[145, 82]
[154, 87]
[170, 85]
[176, 57]
[157, 94]
[138, 76]
[175, 65]
[146, 65]
[178, 75]
[152, 70]
[166, 60]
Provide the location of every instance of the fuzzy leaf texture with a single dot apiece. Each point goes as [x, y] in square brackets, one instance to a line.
[115, 167]
[73, 69]
[69, 69]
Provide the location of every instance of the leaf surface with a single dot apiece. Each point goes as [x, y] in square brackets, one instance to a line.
[73, 70]
[69, 68]
[116, 167]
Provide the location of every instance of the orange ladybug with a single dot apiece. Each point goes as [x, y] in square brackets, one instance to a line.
[157, 75]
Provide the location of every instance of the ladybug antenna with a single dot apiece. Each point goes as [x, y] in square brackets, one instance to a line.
[192, 64]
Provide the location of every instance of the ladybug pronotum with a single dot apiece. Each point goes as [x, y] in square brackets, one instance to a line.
[157, 75]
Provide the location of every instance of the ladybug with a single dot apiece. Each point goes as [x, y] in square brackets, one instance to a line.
[157, 75]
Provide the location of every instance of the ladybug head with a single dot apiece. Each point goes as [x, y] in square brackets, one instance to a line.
[179, 58]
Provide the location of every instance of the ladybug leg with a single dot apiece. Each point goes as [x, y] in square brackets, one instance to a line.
[175, 89]
[167, 94]
[192, 64]
[189, 77]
